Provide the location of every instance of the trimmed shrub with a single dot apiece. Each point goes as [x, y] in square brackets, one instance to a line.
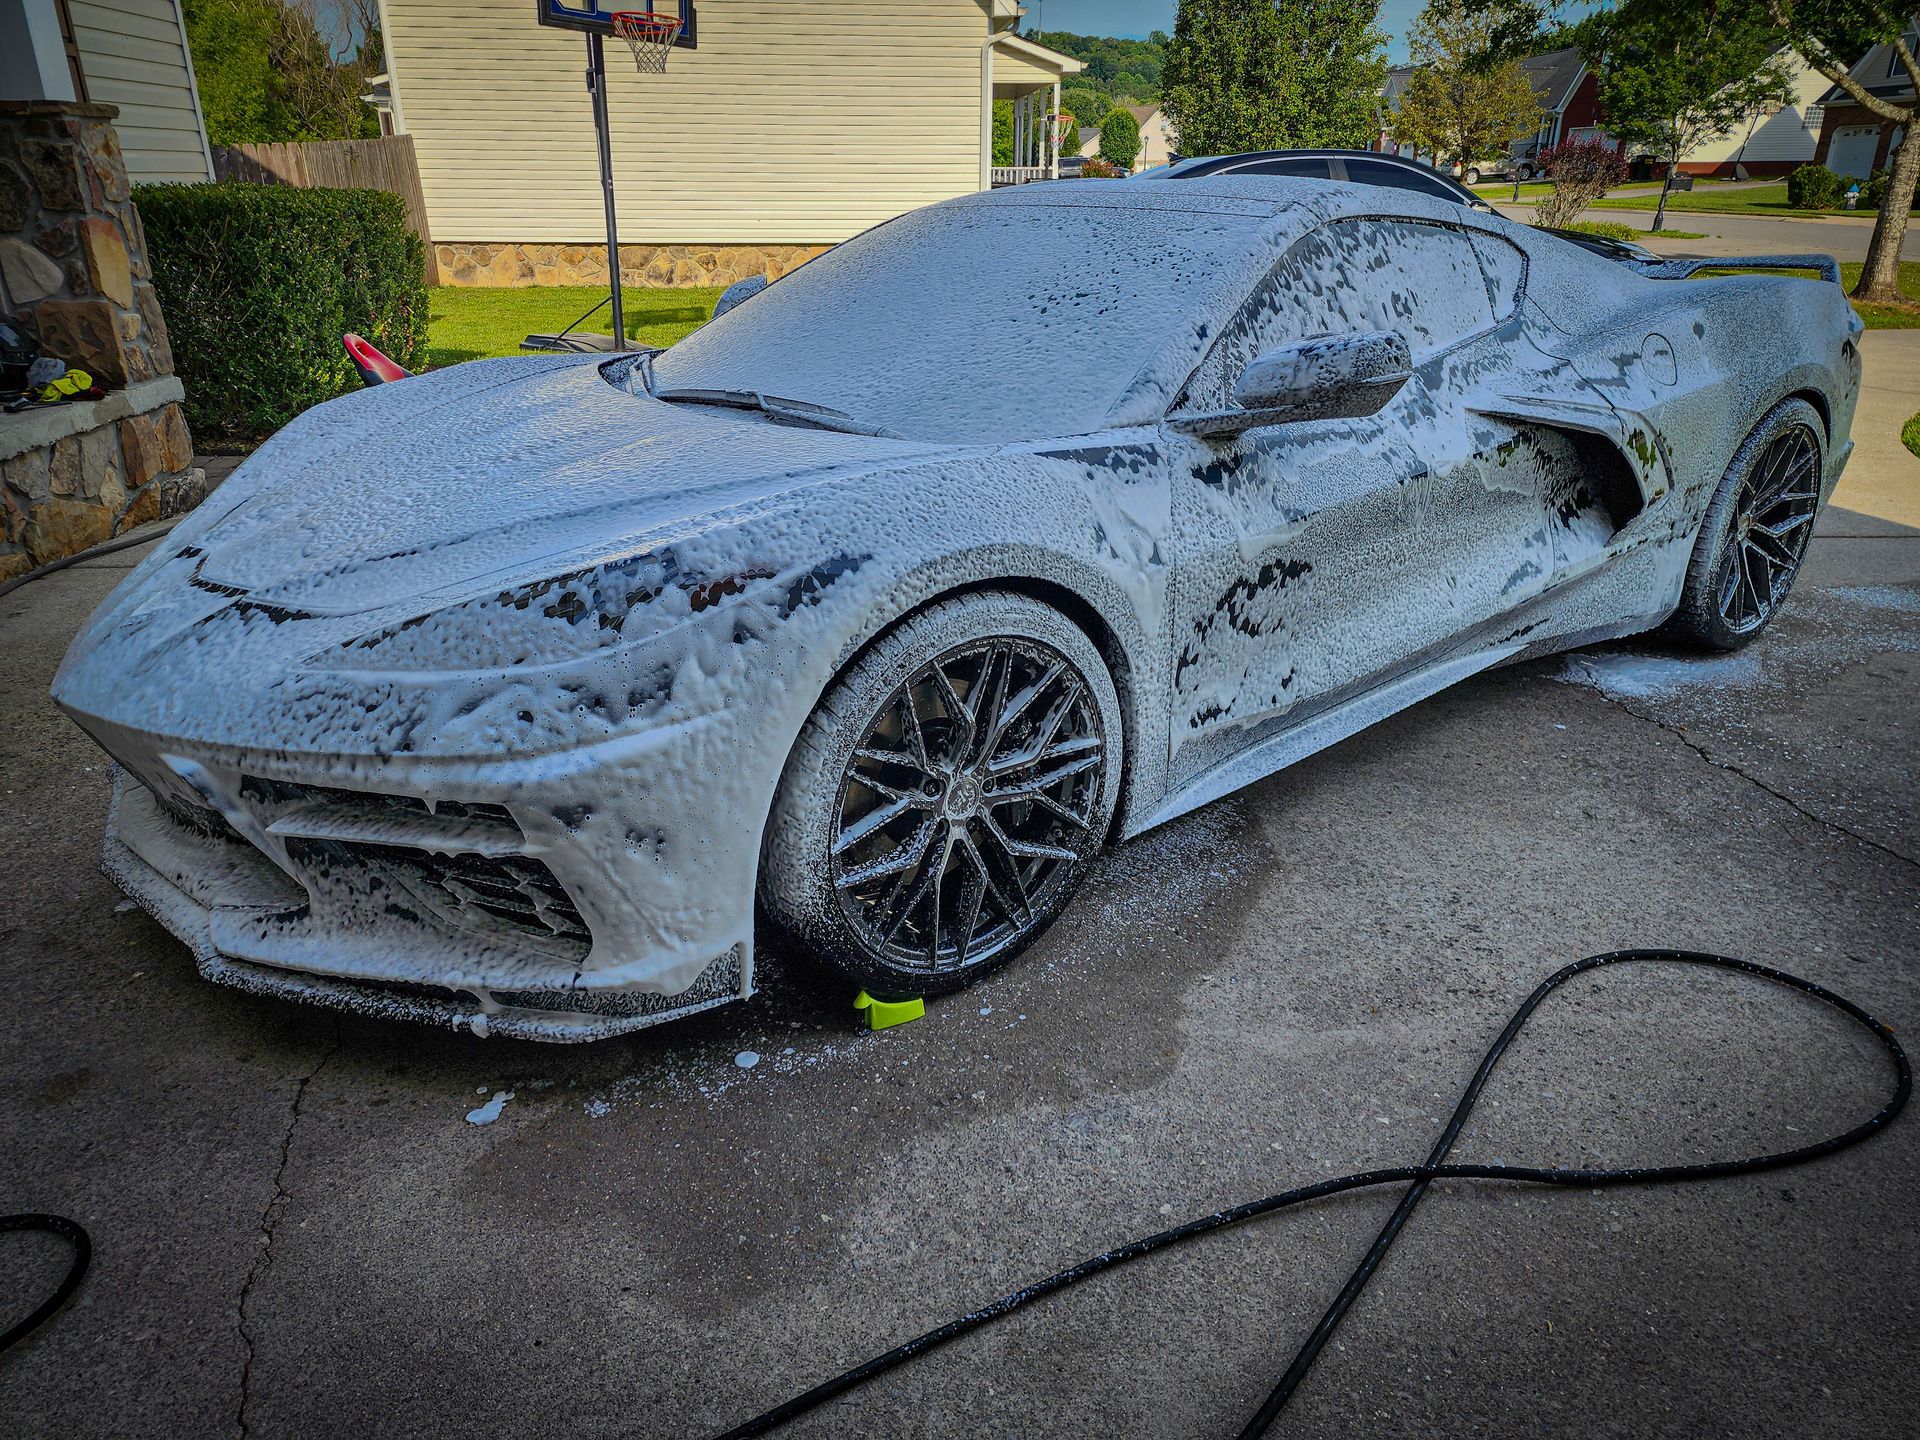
[1814, 187]
[1581, 171]
[1095, 168]
[1120, 138]
[259, 282]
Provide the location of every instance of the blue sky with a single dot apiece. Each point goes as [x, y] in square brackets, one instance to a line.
[1136, 19]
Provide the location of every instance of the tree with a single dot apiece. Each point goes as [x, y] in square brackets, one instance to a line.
[1254, 75]
[1120, 138]
[1085, 104]
[1003, 132]
[1582, 171]
[1824, 33]
[1070, 136]
[1673, 77]
[284, 69]
[1455, 106]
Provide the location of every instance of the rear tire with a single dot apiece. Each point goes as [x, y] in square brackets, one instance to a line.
[946, 797]
[1755, 533]
[1472, 177]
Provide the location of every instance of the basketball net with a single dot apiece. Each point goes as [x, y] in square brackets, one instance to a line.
[650, 35]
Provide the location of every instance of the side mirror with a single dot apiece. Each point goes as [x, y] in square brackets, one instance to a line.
[738, 291]
[1331, 377]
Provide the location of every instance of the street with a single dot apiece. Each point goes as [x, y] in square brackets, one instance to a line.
[1842, 236]
[300, 1228]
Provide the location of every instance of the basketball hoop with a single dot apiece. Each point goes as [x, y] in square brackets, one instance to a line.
[650, 35]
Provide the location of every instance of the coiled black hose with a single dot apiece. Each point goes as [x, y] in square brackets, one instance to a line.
[75, 1235]
[1417, 1178]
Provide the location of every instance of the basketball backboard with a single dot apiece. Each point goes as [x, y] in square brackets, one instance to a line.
[597, 16]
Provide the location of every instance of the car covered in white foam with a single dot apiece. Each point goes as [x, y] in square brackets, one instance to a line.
[499, 696]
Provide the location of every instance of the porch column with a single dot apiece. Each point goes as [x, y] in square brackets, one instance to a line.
[1053, 136]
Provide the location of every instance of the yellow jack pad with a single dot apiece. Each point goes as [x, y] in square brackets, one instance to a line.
[883, 1014]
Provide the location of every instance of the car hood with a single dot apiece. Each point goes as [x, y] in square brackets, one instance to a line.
[488, 471]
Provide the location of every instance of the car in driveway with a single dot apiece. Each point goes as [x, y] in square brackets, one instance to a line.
[528, 695]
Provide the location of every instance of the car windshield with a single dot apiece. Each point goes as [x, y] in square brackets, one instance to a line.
[973, 323]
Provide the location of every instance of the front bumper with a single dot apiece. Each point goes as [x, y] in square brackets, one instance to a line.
[399, 911]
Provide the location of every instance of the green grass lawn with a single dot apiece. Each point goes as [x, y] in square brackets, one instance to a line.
[1501, 191]
[475, 324]
[1752, 200]
[1617, 230]
[1910, 434]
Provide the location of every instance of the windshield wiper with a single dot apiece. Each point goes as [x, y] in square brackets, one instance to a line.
[801, 412]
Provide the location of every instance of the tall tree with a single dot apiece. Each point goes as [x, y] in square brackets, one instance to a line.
[1256, 75]
[1459, 105]
[1120, 138]
[1673, 77]
[1828, 35]
[284, 69]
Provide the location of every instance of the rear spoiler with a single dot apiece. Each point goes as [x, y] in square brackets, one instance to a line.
[1828, 267]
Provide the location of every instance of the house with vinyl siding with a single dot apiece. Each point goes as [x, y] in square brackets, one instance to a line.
[794, 125]
[131, 54]
[1854, 141]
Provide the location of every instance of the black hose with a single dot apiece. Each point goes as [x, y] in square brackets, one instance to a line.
[75, 1235]
[125, 542]
[1421, 1177]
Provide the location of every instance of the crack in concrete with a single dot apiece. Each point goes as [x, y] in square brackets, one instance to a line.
[269, 1222]
[1680, 734]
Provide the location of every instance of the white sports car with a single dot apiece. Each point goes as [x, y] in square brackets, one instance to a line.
[1022, 523]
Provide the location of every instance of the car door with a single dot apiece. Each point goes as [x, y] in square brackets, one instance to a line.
[1324, 556]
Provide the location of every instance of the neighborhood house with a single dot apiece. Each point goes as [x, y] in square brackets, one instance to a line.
[790, 128]
[1775, 142]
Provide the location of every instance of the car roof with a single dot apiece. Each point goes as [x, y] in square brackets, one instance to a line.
[1188, 167]
[1305, 201]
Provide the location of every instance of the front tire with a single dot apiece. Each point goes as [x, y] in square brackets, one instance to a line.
[946, 797]
[1472, 177]
[1755, 533]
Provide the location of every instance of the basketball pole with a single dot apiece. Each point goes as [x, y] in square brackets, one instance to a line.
[597, 87]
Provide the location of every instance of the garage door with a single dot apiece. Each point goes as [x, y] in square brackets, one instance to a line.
[1851, 150]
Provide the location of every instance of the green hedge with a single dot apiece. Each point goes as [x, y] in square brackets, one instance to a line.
[1814, 187]
[258, 283]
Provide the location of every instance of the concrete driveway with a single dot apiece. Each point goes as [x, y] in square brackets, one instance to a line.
[299, 1231]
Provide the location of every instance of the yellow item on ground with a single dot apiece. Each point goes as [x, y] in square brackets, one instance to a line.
[882, 1014]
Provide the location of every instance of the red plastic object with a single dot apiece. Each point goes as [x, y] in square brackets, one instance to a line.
[375, 368]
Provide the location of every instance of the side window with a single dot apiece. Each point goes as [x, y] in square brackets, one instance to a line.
[1422, 282]
[1505, 266]
[1397, 177]
[1304, 167]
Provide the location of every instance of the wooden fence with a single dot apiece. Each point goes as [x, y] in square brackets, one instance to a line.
[384, 164]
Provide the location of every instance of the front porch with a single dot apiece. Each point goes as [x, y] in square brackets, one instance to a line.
[1028, 76]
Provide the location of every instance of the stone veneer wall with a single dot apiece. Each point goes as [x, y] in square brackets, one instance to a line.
[73, 262]
[74, 272]
[487, 264]
[74, 474]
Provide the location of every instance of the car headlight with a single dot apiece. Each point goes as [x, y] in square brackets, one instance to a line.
[551, 622]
